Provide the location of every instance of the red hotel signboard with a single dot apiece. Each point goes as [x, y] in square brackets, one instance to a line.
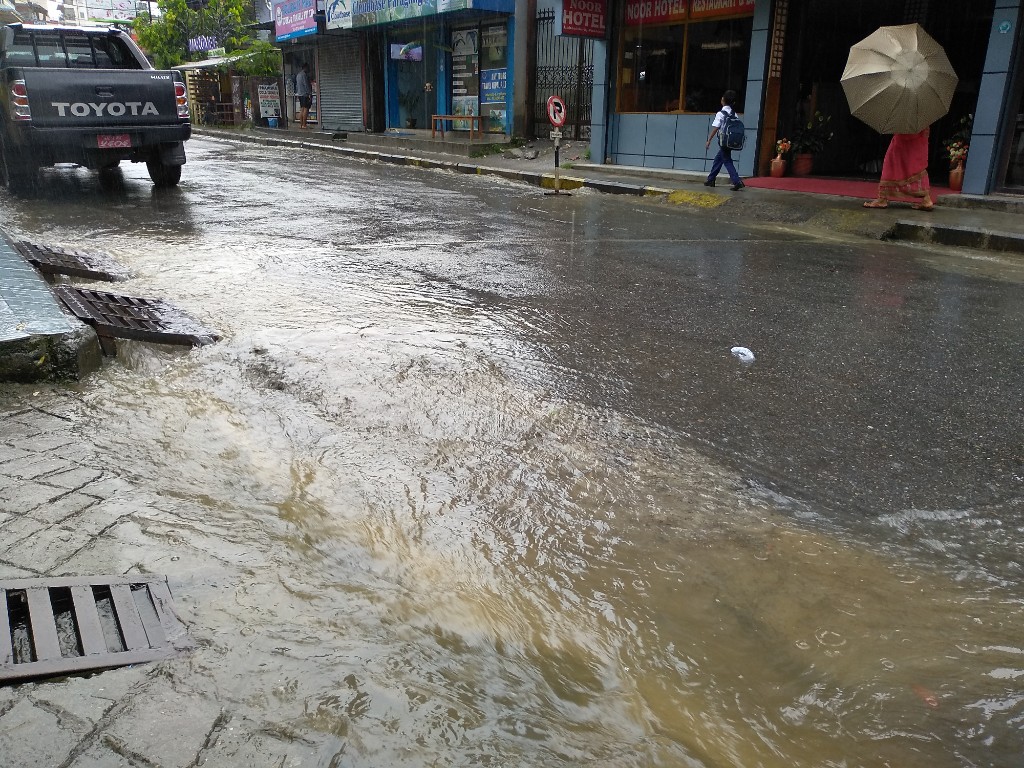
[583, 18]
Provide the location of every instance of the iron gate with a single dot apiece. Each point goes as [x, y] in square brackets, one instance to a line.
[565, 67]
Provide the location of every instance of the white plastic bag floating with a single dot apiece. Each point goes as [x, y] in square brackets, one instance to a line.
[743, 354]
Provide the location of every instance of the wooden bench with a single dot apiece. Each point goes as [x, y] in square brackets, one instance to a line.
[437, 123]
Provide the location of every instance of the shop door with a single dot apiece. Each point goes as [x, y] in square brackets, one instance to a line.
[341, 85]
[413, 62]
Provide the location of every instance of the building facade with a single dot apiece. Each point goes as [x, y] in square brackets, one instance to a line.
[663, 66]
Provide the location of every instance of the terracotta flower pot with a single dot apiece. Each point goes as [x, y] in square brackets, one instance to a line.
[802, 164]
[778, 166]
[956, 177]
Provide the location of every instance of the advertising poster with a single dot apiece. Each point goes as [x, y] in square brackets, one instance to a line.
[465, 76]
[492, 86]
[493, 60]
[270, 99]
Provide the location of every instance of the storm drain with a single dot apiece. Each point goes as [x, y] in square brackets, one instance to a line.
[69, 625]
[130, 317]
[52, 260]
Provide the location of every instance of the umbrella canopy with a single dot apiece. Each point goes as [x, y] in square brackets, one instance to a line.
[898, 80]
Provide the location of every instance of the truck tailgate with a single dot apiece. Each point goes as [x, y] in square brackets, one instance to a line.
[100, 98]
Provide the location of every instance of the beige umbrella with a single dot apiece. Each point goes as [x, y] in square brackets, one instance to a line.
[898, 79]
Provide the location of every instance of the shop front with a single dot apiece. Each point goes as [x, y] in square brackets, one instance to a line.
[436, 58]
[669, 64]
[664, 66]
[295, 32]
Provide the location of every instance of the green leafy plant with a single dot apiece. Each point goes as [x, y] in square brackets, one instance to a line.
[812, 137]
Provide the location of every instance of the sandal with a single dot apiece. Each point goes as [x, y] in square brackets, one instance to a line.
[876, 204]
[920, 207]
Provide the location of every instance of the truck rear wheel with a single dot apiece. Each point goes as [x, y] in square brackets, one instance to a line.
[15, 174]
[162, 174]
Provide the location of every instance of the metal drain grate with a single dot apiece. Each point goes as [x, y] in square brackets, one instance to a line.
[62, 261]
[68, 625]
[130, 317]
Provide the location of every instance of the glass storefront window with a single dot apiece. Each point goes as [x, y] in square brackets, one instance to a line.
[683, 67]
[717, 54]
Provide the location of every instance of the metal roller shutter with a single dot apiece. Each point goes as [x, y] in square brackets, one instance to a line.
[341, 85]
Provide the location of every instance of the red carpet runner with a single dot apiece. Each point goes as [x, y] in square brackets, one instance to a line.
[824, 186]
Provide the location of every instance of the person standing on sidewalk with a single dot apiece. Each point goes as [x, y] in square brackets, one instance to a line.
[724, 156]
[304, 92]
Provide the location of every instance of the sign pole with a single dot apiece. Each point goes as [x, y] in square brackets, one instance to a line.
[556, 114]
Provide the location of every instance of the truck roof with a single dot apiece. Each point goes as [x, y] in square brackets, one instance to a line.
[65, 28]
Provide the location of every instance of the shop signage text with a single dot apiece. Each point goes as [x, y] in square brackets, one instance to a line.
[294, 18]
[704, 9]
[344, 14]
[583, 18]
[654, 11]
[663, 11]
[492, 86]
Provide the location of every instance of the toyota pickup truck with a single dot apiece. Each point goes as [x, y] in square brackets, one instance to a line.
[86, 96]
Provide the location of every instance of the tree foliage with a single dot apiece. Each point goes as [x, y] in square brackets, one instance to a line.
[165, 37]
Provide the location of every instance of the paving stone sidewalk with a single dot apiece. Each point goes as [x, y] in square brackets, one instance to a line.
[62, 512]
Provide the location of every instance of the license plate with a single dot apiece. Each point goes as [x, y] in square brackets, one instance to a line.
[113, 141]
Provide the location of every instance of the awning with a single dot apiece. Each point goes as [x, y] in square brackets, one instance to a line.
[212, 63]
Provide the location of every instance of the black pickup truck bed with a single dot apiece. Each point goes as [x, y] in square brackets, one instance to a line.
[86, 96]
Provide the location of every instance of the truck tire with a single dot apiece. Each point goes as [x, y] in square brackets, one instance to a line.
[14, 173]
[162, 174]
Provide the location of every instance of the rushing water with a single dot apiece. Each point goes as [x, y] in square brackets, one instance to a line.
[472, 478]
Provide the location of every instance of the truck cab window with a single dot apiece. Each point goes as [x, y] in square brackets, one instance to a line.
[21, 53]
[112, 53]
[79, 51]
[49, 51]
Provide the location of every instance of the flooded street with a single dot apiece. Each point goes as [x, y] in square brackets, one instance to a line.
[472, 478]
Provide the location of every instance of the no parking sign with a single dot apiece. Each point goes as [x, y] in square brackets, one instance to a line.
[556, 111]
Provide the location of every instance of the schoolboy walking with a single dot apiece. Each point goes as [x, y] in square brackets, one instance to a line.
[724, 156]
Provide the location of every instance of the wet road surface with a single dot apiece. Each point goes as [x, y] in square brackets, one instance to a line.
[473, 478]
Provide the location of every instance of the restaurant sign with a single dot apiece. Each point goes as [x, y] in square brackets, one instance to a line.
[672, 11]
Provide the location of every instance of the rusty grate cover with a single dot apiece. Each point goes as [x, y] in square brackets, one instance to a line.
[130, 317]
[68, 625]
[63, 261]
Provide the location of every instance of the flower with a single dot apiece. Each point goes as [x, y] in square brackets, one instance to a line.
[782, 146]
[811, 138]
[957, 151]
[958, 144]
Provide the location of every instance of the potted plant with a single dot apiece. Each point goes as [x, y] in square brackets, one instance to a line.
[411, 101]
[956, 147]
[809, 140]
[782, 147]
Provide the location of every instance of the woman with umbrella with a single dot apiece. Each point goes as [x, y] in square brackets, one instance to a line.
[905, 172]
[898, 80]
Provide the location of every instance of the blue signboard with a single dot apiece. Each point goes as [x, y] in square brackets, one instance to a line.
[492, 85]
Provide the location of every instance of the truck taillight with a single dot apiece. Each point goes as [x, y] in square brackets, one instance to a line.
[19, 101]
[181, 97]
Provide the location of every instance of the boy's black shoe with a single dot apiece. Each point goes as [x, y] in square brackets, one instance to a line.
[709, 183]
[738, 187]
